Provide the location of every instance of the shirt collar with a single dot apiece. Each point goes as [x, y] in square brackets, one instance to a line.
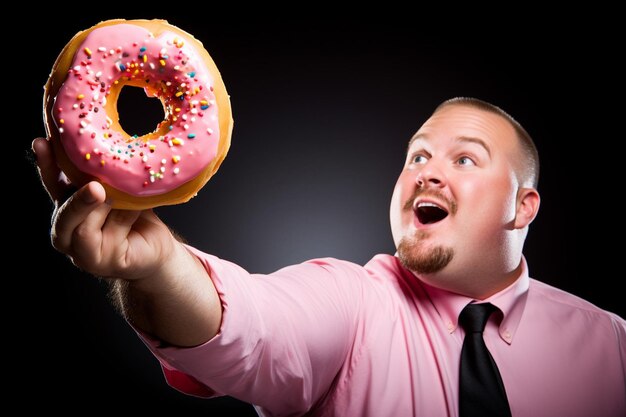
[511, 302]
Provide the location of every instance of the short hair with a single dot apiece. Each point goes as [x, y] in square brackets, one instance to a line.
[530, 167]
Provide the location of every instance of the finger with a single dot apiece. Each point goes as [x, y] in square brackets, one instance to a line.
[86, 202]
[115, 233]
[119, 223]
[90, 249]
[49, 171]
[150, 242]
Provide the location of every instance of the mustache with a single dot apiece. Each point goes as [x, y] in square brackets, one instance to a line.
[434, 194]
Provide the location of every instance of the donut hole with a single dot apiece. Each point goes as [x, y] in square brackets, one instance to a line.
[139, 114]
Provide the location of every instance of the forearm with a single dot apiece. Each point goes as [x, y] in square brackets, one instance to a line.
[178, 305]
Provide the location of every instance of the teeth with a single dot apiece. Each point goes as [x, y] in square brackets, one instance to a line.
[427, 204]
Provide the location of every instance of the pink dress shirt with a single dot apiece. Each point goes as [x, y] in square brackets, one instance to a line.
[332, 338]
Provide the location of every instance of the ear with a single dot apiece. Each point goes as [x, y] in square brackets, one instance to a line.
[527, 207]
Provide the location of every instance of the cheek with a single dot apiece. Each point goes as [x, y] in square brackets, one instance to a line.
[403, 190]
[490, 198]
[400, 193]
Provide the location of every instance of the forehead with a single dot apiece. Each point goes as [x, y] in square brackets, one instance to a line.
[463, 121]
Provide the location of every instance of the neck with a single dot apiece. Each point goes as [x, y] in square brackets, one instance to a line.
[479, 284]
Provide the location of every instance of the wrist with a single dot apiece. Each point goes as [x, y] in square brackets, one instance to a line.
[180, 291]
[171, 272]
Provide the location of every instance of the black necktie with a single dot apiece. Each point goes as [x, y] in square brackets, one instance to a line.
[481, 391]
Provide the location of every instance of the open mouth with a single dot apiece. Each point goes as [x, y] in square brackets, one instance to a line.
[429, 213]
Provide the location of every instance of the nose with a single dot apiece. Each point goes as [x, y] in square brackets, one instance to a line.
[430, 176]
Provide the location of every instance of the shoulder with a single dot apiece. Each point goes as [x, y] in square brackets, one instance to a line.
[381, 275]
[381, 267]
[562, 304]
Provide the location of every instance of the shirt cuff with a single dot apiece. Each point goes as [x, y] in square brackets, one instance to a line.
[176, 379]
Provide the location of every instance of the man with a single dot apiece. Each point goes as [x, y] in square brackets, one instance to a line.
[331, 338]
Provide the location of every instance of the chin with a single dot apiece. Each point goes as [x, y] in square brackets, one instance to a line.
[423, 260]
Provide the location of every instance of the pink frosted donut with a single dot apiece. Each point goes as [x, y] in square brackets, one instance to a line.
[166, 166]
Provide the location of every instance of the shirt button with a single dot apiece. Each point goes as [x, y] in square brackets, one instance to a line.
[450, 326]
[507, 335]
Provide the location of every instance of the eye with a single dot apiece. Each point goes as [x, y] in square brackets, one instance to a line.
[465, 160]
[418, 159]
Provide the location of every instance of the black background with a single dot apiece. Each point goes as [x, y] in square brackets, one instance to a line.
[323, 109]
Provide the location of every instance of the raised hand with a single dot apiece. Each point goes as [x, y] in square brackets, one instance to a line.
[105, 242]
[165, 284]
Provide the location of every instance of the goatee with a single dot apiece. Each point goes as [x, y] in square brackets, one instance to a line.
[415, 257]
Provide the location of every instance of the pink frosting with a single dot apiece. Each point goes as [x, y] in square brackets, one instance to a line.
[170, 69]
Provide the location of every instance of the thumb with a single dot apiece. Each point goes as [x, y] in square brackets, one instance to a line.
[52, 178]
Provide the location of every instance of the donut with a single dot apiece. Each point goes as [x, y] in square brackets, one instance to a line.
[165, 167]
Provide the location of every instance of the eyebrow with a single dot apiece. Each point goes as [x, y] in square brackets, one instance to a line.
[467, 139]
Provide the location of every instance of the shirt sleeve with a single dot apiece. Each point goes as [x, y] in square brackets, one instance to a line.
[283, 338]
